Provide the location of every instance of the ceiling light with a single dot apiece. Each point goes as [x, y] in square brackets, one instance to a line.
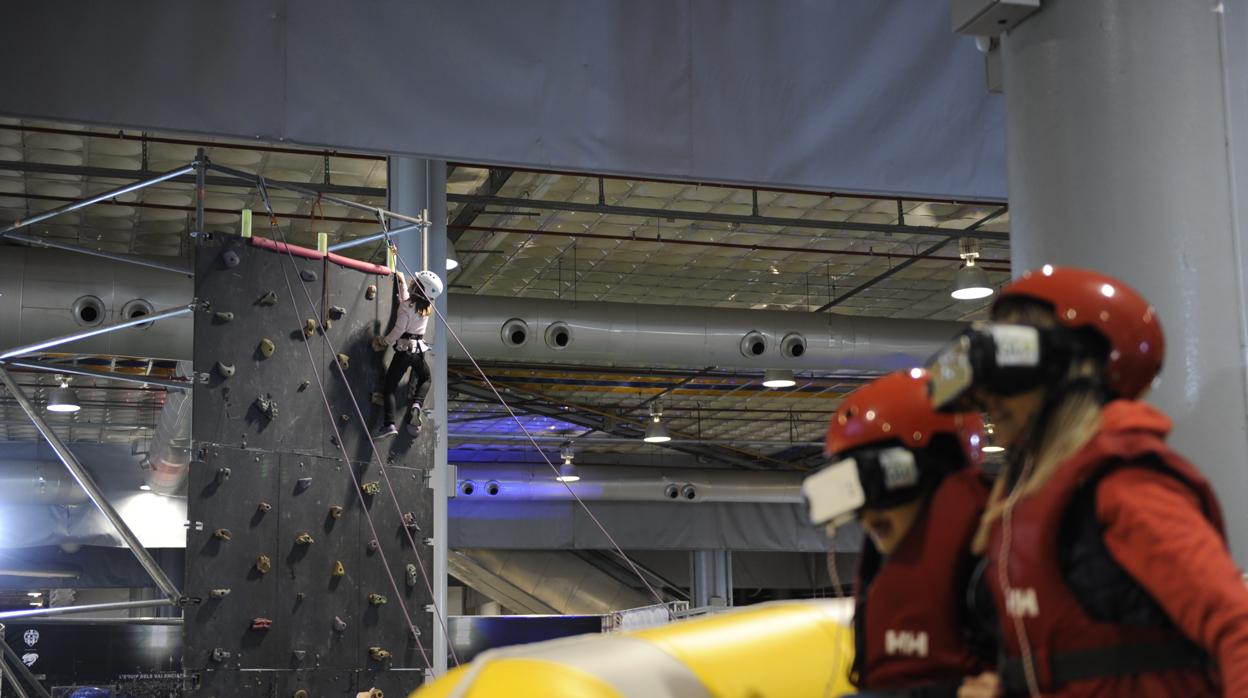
[145, 487]
[778, 378]
[656, 432]
[34, 594]
[63, 399]
[566, 452]
[567, 473]
[990, 447]
[971, 282]
[994, 449]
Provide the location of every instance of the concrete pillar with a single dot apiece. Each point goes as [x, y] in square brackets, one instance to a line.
[416, 184]
[710, 578]
[1126, 152]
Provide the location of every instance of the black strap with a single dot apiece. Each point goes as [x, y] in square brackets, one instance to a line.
[1119, 660]
[409, 335]
[937, 689]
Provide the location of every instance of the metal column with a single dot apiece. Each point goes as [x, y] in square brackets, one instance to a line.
[710, 578]
[1128, 153]
[415, 185]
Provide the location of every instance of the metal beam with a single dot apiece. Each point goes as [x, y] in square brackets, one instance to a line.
[468, 213]
[608, 423]
[87, 482]
[184, 176]
[90, 607]
[908, 262]
[57, 341]
[126, 258]
[623, 440]
[637, 212]
[106, 375]
[58, 620]
[104, 196]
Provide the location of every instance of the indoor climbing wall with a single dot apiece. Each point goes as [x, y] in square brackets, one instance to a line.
[302, 563]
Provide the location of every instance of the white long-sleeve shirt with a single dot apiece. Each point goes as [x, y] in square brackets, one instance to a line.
[408, 321]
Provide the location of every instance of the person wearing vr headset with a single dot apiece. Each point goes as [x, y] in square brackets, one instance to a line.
[910, 475]
[1105, 555]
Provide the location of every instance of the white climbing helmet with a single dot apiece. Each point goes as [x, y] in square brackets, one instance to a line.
[430, 283]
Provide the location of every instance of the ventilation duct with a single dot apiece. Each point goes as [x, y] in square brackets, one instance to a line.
[619, 334]
[630, 484]
[37, 299]
[170, 454]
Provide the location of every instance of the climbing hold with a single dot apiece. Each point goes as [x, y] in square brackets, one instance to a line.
[219, 593]
[304, 538]
[378, 399]
[304, 385]
[378, 654]
[376, 599]
[231, 258]
[309, 327]
[222, 534]
[301, 693]
[373, 545]
[344, 361]
[219, 655]
[299, 655]
[307, 275]
[223, 316]
[372, 487]
[344, 417]
[411, 575]
[337, 311]
[267, 347]
[263, 564]
[375, 693]
[261, 623]
[370, 292]
[264, 506]
[226, 370]
[340, 625]
[339, 570]
[300, 596]
[266, 407]
[335, 512]
[223, 474]
[303, 483]
[409, 520]
[269, 298]
[413, 632]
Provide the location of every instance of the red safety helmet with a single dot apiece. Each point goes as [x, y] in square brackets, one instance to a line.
[895, 408]
[1088, 299]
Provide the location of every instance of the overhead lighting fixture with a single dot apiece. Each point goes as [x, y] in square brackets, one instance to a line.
[567, 471]
[778, 378]
[34, 594]
[145, 487]
[656, 432]
[63, 399]
[971, 282]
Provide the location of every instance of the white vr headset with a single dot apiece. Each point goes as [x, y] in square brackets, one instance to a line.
[884, 477]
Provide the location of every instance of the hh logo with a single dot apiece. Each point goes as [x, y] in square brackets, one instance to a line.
[904, 642]
[1022, 603]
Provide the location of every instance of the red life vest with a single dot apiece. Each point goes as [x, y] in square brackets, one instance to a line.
[911, 608]
[1057, 627]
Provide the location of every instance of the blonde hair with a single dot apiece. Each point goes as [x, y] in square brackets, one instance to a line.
[1072, 422]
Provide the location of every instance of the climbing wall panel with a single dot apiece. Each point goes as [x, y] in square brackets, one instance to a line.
[323, 618]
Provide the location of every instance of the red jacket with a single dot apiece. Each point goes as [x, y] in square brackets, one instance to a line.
[910, 618]
[1162, 525]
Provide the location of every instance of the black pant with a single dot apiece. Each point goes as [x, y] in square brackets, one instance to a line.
[402, 361]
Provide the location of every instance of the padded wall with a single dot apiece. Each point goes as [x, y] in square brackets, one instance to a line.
[269, 476]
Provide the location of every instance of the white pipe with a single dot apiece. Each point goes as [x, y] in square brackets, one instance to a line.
[480, 482]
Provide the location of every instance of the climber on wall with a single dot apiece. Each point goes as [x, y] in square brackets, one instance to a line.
[414, 301]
